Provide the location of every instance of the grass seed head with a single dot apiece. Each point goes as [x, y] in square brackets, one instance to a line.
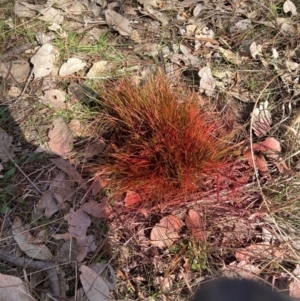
[164, 144]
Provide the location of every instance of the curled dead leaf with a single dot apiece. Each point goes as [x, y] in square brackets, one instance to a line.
[257, 161]
[132, 199]
[269, 148]
[207, 81]
[195, 224]
[230, 56]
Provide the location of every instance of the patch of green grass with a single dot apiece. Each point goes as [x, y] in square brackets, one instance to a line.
[195, 253]
[198, 256]
[73, 43]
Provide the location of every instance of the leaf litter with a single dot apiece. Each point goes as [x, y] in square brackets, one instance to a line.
[31, 249]
[217, 60]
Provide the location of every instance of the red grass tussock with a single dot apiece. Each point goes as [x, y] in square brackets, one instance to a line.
[164, 146]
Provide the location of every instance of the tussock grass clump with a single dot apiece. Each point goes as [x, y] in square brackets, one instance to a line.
[163, 144]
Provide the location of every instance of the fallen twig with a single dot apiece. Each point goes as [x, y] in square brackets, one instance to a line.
[35, 265]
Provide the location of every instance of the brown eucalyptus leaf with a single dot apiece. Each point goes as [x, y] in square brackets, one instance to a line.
[195, 224]
[94, 286]
[118, 22]
[70, 170]
[165, 233]
[96, 209]
[22, 236]
[61, 138]
[14, 289]
[78, 222]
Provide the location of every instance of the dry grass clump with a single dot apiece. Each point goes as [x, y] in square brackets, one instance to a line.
[163, 144]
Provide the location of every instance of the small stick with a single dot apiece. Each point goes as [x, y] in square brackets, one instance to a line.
[35, 265]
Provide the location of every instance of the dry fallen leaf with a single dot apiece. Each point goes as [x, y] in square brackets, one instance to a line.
[61, 138]
[51, 14]
[260, 250]
[165, 233]
[60, 190]
[240, 26]
[198, 8]
[69, 250]
[14, 289]
[156, 15]
[132, 198]
[149, 2]
[22, 11]
[268, 147]
[71, 66]
[43, 60]
[242, 270]
[54, 98]
[70, 7]
[22, 236]
[288, 30]
[70, 170]
[255, 50]
[17, 70]
[96, 209]
[188, 58]
[94, 149]
[106, 271]
[99, 69]
[78, 222]
[118, 22]
[84, 246]
[289, 6]
[259, 161]
[207, 81]
[165, 283]
[195, 224]
[47, 203]
[231, 57]
[94, 286]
